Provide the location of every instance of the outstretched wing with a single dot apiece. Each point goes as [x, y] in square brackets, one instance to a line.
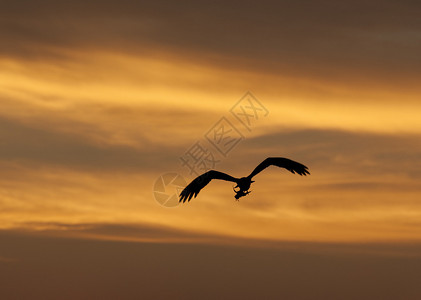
[290, 165]
[200, 182]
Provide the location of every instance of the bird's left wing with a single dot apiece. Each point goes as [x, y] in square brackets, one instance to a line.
[200, 182]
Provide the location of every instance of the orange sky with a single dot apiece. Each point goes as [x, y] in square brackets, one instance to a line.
[98, 100]
[88, 137]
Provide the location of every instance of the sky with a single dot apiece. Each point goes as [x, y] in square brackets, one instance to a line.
[100, 100]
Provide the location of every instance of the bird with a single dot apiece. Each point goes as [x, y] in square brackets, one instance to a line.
[243, 183]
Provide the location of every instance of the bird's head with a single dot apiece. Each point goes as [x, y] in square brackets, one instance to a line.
[243, 185]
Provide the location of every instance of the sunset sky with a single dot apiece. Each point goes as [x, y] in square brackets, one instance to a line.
[100, 99]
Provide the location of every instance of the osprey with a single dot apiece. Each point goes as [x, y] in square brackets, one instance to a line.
[243, 183]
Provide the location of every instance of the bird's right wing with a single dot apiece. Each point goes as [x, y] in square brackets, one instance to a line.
[290, 165]
[200, 182]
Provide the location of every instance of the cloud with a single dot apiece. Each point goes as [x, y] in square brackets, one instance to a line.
[336, 150]
[6, 260]
[71, 143]
[28, 144]
[123, 232]
[149, 233]
[323, 39]
[50, 266]
[98, 137]
[99, 98]
[98, 162]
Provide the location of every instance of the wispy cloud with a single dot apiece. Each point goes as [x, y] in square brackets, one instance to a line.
[317, 38]
[361, 183]
[97, 103]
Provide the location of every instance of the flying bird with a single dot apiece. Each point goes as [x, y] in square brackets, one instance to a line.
[243, 183]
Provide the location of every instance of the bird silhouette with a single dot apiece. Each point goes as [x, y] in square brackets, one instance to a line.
[243, 183]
